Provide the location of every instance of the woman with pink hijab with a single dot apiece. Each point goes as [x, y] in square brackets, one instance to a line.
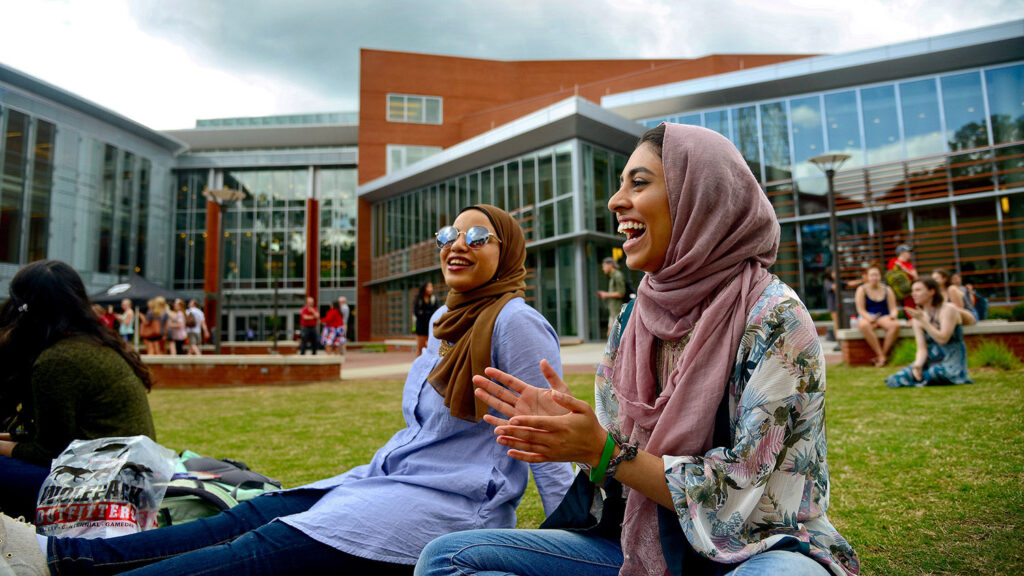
[706, 450]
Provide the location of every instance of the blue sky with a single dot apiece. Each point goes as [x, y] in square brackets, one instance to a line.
[166, 63]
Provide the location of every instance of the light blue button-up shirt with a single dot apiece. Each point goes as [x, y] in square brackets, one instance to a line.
[440, 474]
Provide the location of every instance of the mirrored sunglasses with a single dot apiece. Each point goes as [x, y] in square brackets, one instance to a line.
[476, 237]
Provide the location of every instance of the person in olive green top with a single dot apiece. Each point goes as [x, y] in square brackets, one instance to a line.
[66, 377]
[616, 290]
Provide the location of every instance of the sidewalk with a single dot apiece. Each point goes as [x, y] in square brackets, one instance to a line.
[576, 359]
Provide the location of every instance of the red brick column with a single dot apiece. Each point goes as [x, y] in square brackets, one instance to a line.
[313, 249]
[211, 267]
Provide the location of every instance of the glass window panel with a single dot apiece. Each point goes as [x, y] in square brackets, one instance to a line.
[808, 141]
[563, 171]
[781, 197]
[42, 184]
[549, 284]
[718, 121]
[980, 255]
[567, 290]
[787, 263]
[486, 197]
[546, 220]
[529, 182]
[499, 186]
[812, 194]
[843, 127]
[744, 122]
[1006, 103]
[474, 189]
[565, 212]
[106, 209]
[433, 111]
[933, 238]
[881, 125]
[775, 135]
[597, 183]
[142, 224]
[692, 119]
[547, 188]
[964, 107]
[922, 127]
[1013, 238]
[13, 187]
[124, 212]
[396, 108]
[514, 201]
[414, 109]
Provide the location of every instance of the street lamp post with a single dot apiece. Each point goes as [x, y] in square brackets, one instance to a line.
[275, 250]
[829, 163]
[224, 197]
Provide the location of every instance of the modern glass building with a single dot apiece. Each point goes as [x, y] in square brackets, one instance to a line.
[934, 130]
[81, 184]
[553, 170]
[935, 134]
[294, 232]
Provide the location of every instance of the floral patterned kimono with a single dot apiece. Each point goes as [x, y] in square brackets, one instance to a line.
[770, 487]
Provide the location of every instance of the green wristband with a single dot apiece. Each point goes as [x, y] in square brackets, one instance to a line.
[597, 474]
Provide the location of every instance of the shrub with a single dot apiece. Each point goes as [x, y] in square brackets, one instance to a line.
[1018, 312]
[821, 316]
[994, 354]
[903, 353]
[999, 313]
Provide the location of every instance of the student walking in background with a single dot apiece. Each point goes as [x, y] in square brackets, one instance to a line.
[195, 327]
[616, 291]
[422, 310]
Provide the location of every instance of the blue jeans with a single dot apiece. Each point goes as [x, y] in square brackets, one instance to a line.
[19, 487]
[240, 541]
[546, 552]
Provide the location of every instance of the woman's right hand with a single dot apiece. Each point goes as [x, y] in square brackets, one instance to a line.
[513, 397]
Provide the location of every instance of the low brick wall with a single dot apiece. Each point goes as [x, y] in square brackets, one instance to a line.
[242, 370]
[856, 351]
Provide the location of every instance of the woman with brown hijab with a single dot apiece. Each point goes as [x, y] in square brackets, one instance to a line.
[440, 473]
[706, 452]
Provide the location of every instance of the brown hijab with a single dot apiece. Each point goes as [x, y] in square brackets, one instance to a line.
[469, 321]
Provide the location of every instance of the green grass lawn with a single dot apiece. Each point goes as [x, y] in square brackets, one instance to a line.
[924, 481]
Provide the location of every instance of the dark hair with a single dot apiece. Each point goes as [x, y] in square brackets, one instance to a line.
[944, 274]
[932, 285]
[655, 137]
[829, 275]
[47, 304]
[423, 291]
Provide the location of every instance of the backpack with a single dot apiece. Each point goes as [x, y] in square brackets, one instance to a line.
[203, 487]
[899, 281]
[190, 319]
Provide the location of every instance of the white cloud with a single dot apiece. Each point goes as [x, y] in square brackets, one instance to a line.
[165, 64]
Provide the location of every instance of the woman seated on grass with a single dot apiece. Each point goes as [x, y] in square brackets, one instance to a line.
[74, 378]
[708, 437]
[441, 473]
[941, 356]
[876, 308]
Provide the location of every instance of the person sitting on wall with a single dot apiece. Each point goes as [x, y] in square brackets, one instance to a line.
[941, 356]
[955, 296]
[876, 308]
[74, 378]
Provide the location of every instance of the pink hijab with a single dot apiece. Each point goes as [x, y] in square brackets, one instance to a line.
[724, 237]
